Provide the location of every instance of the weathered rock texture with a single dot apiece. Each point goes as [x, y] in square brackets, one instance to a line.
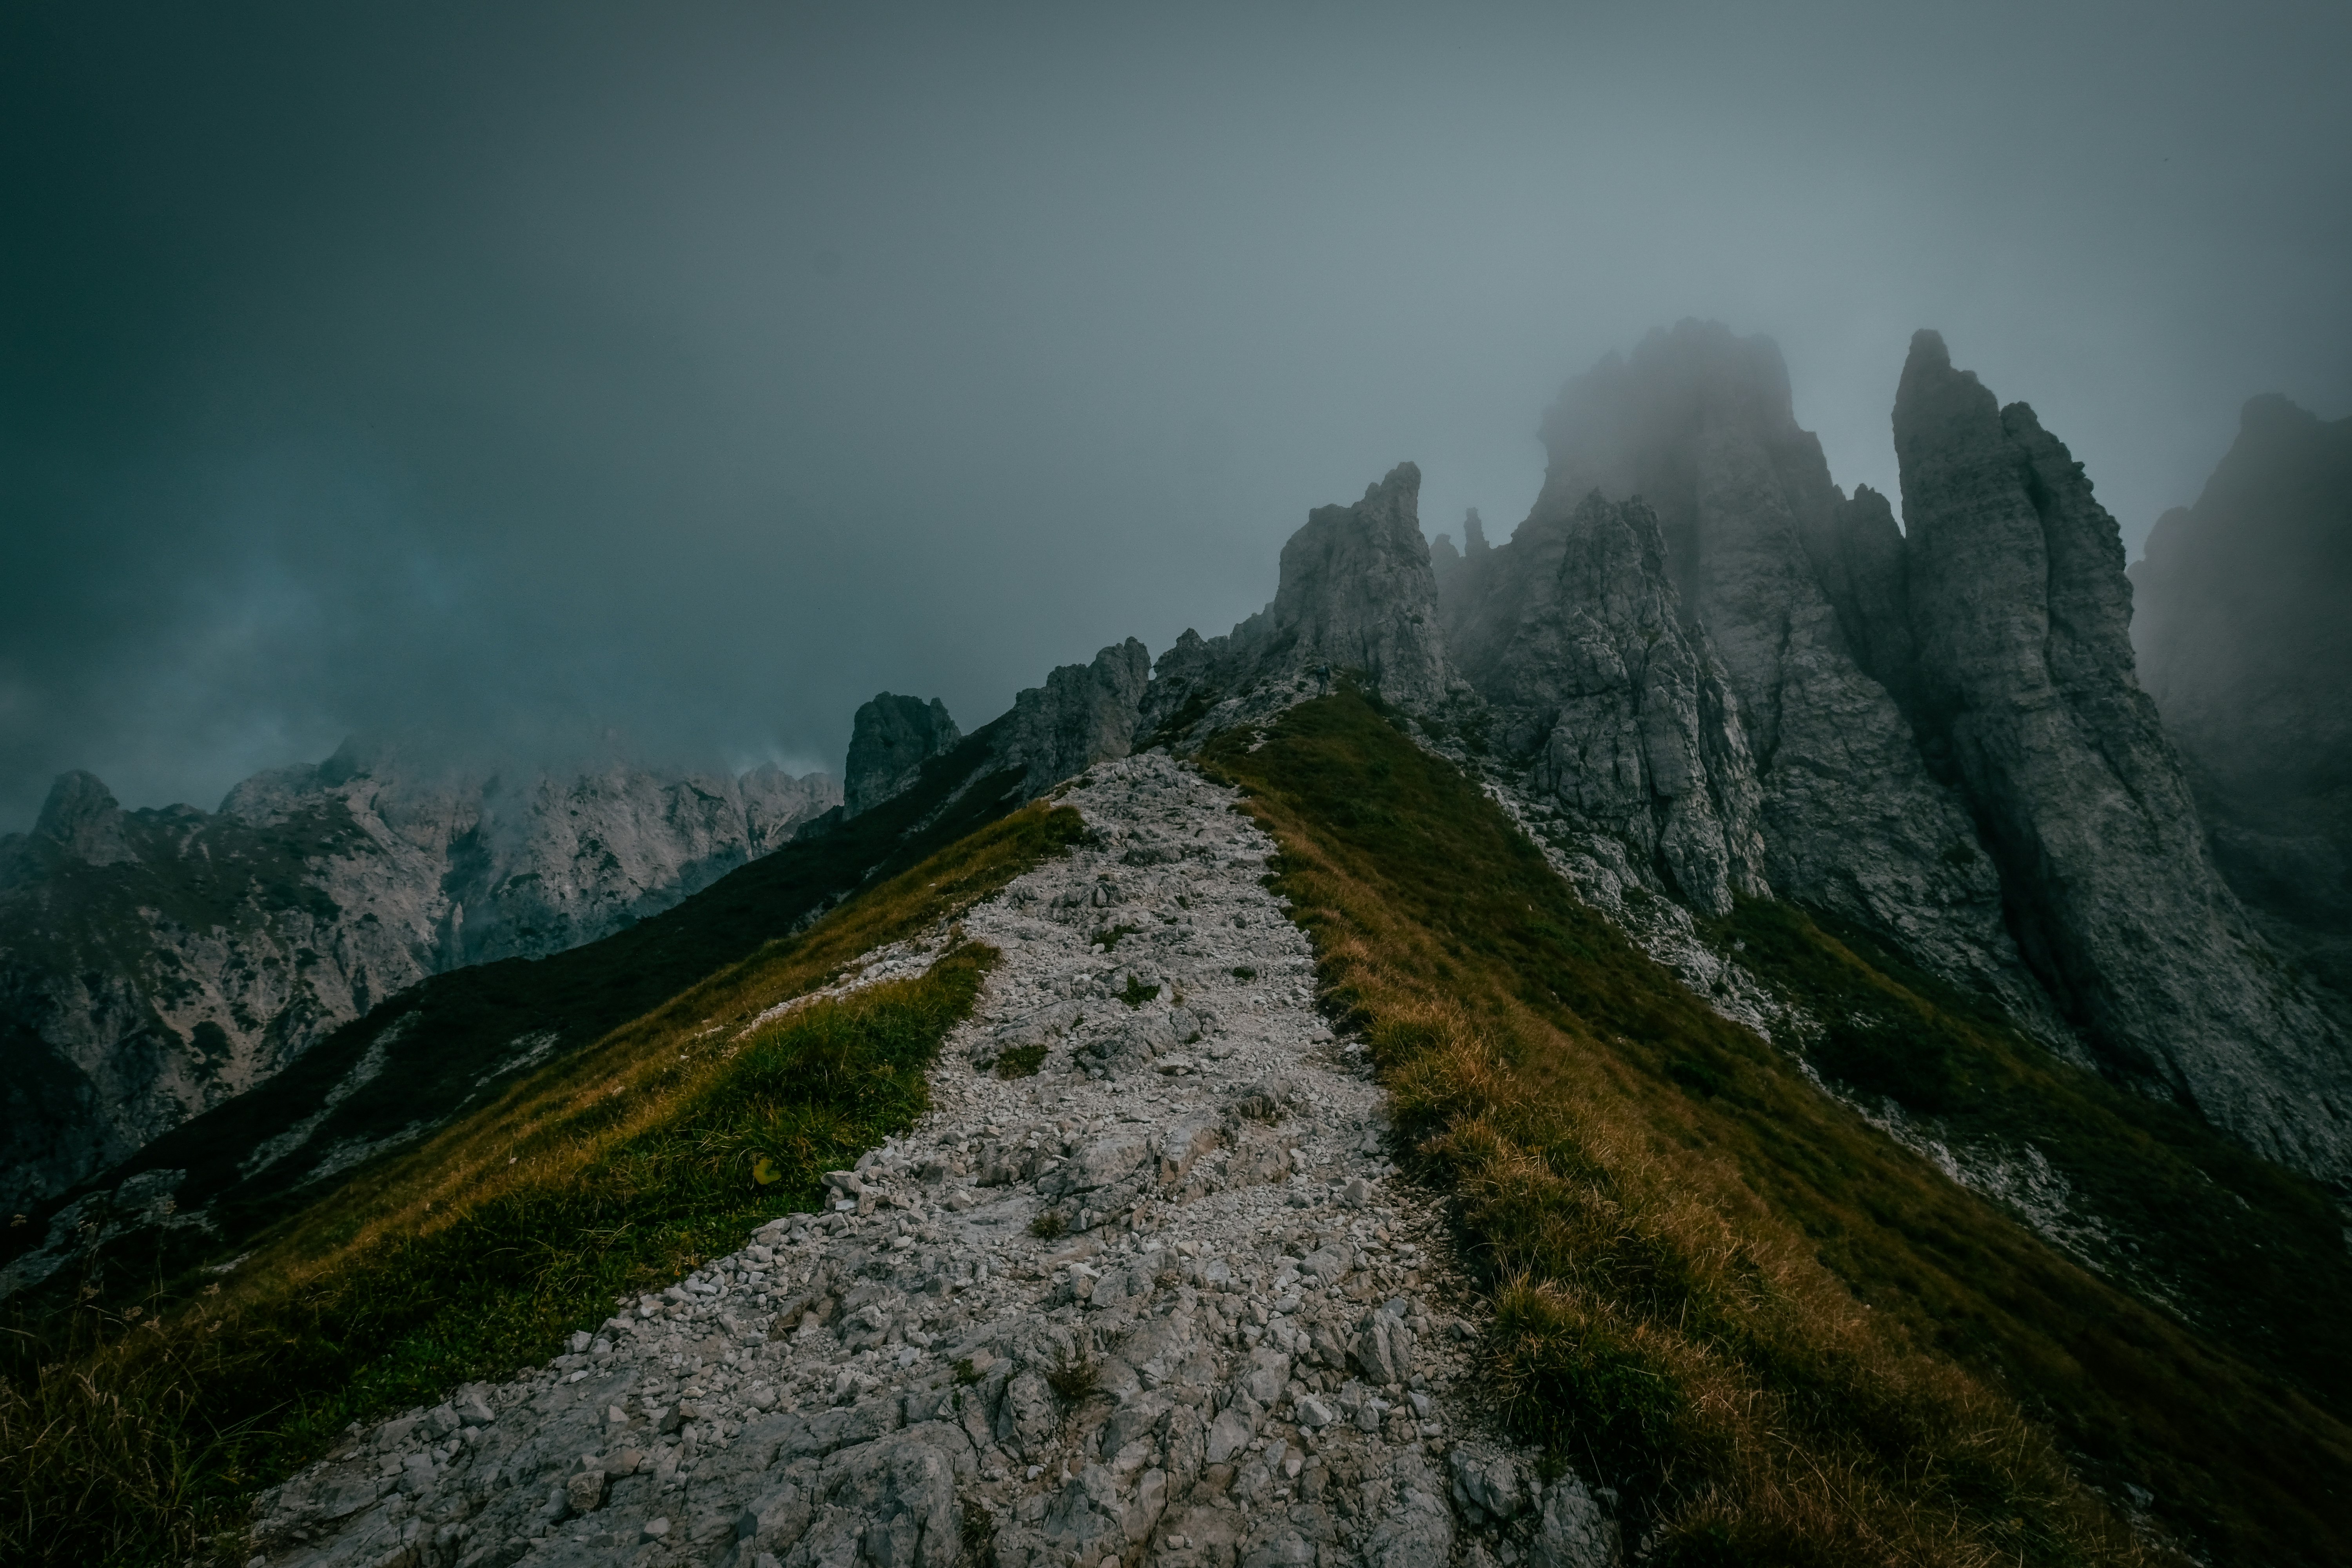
[154, 963]
[1084, 714]
[2243, 627]
[1249, 1349]
[1356, 601]
[1618, 709]
[2020, 612]
[889, 741]
[1798, 739]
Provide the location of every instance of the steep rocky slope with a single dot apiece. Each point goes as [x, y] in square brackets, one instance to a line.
[1697, 426]
[156, 964]
[2021, 614]
[2241, 627]
[1938, 735]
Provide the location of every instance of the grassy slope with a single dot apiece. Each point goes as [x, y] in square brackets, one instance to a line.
[454, 1029]
[1786, 1339]
[477, 1251]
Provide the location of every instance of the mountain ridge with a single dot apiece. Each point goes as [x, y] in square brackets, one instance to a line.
[154, 963]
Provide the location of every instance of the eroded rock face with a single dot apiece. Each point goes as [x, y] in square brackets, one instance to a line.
[1358, 593]
[889, 741]
[2020, 612]
[1620, 711]
[1084, 714]
[2241, 632]
[1357, 600]
[155, 963]
[1698, 425]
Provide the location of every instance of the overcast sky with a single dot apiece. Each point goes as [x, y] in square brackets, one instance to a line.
[687, 374]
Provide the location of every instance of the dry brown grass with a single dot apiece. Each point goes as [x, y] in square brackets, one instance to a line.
[1665, 1320]
[1624, 1248]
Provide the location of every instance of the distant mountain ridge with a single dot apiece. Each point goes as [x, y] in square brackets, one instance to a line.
[154, 963]
[2244, 626]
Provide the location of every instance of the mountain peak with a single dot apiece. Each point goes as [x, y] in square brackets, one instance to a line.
[891, 739]
[82, 814]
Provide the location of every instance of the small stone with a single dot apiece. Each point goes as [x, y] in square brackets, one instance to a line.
[1229, 1433]
[655, 1530]
[585, 1491]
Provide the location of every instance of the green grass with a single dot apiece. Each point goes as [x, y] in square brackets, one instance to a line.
[1020, 1061]
[1785, 1338]
[2252, 1254]
[137, 1437]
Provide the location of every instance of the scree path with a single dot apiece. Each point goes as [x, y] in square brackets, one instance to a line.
[1161, 1301]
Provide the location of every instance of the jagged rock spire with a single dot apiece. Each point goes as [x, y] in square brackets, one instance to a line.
[2021, 614]
[1622, 712]
[1358, 594]
[1697, 424]
[1358, 599]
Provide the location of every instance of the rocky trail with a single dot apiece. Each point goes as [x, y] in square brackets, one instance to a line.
[1164, 1301]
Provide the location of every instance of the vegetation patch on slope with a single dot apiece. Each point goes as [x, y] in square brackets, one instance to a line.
[1781, 1336]
[2249, 1252]
[138, 1436]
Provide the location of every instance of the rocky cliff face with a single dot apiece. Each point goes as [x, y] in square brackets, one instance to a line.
[1357, 594]
[2244, 642]
[2021, 613]
[889, 741]
[1697, 424]
[1615, 708]
[154, 963]
[1697, 648]
[1084, 714]
[1356, 600]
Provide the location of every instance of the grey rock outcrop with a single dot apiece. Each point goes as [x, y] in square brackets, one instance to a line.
[1356, 600]
[2021, 611]
[2244, 641]
[1357, 594]
[1084, 714]
[1617, 710]
[889, 741]
[156, 964]
[1698, 424]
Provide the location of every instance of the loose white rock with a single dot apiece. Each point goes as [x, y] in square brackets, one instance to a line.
[1163, 1295]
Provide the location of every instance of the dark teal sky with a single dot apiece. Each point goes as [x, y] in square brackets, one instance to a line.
[685, 374]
